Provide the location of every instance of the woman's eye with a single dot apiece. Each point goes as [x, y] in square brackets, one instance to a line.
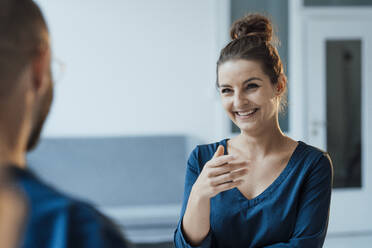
[252, 86]
[224, 91]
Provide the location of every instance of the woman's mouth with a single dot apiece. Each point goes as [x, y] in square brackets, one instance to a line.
[246, 114]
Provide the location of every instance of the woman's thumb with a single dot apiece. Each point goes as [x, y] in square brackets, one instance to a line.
[220, 151]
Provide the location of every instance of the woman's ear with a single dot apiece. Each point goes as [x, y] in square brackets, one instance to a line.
[281, 85]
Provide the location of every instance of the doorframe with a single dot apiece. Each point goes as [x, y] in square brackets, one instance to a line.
[300, 17]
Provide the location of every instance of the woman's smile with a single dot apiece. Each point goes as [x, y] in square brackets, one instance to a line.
[246, 114]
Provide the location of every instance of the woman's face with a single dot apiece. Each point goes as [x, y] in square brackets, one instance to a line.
[247, 94]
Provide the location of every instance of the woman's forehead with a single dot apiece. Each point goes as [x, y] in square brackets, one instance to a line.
[239, 70]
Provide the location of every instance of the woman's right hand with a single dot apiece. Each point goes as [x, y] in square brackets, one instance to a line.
[219, 174]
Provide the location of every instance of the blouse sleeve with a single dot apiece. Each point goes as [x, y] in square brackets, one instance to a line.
[192, 173]
[313, 213]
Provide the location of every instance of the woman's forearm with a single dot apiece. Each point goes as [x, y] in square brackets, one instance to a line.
[196, 223]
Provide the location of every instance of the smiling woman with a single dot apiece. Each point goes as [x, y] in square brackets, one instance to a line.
[260, 188]
[247, 94]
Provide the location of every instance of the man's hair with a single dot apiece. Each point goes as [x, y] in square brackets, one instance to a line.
[23, 32]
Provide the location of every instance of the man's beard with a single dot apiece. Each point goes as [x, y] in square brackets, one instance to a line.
[42, 115]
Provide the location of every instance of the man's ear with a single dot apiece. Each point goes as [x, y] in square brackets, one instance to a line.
[40, 68]
[281, 85]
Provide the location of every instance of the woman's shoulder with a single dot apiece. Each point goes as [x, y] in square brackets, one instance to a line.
[313, 157]
[204, 152]
[310, 151]
[211, 147]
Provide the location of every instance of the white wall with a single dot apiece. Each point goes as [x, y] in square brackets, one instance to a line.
[134, 67]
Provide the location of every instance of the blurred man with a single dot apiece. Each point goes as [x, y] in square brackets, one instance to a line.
[26, 92]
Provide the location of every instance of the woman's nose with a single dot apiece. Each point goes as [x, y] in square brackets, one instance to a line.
[239, 100]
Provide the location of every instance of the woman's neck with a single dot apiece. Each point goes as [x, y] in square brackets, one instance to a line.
[261, 142]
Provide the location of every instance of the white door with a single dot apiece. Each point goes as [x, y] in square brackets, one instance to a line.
[338, 79]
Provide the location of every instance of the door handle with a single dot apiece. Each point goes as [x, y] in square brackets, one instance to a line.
[315, 125]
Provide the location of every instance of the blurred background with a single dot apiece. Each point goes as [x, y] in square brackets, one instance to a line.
[135, 92]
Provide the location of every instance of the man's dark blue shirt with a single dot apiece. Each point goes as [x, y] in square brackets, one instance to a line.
[55, 220]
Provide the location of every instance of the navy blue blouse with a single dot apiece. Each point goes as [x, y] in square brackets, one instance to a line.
[292, 212]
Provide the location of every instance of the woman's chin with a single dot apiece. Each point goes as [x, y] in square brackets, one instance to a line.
[247, 127]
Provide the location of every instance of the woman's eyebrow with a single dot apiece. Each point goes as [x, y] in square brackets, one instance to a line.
[246, 81]
[224, 85]
[252, 79]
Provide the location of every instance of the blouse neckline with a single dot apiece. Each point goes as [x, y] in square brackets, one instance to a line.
[263, 195]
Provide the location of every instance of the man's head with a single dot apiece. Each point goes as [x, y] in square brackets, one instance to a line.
[26, 90]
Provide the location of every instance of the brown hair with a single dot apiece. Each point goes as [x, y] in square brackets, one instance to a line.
[23, 31]
[253, 39]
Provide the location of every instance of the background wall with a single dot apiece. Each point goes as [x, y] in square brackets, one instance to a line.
[134, 67]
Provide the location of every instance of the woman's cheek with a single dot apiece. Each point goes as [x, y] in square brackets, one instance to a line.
[225, 103]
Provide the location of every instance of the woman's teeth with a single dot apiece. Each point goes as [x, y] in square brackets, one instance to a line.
[246, 113]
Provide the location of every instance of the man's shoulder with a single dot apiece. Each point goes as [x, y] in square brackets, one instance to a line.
[67, 219]
[87, 221]
[39, 193]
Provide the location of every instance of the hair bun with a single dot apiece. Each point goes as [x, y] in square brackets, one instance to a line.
[252, 25]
